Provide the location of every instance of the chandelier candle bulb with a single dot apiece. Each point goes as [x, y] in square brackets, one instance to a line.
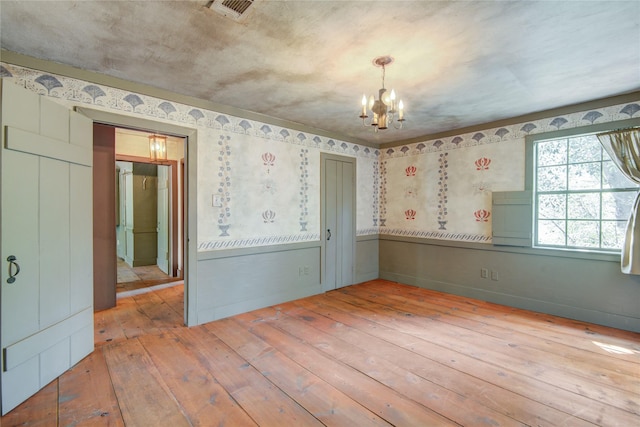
[364, 106]
[400, 110]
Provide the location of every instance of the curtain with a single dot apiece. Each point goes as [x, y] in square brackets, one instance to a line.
[624, 148]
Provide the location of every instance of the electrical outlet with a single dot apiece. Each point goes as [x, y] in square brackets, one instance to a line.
[494, 275]
[484, 273]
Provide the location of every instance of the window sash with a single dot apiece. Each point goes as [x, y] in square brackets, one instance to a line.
[559, 228]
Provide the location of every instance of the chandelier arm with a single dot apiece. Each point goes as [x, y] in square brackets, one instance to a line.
[398, 126]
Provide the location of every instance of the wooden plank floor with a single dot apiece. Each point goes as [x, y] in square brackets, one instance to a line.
[378, 353]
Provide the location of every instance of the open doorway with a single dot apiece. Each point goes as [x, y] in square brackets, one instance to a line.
[149, 206]
[138, 215]
[104, 128]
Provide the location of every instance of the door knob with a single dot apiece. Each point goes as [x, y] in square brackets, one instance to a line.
[12, 263]
[328, 234]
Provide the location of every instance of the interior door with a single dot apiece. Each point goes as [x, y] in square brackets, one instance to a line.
[338, 221]
[163, 219]
[46, 245]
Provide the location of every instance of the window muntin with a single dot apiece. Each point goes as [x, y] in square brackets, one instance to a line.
[582, 200]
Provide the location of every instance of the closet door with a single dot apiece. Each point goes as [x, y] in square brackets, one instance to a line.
[338, 221]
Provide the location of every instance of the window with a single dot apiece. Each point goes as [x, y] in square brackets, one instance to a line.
[581, 199]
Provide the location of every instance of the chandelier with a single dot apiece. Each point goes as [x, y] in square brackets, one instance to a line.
[385, 108]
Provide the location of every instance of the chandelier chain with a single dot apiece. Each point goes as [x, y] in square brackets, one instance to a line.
[383, 74]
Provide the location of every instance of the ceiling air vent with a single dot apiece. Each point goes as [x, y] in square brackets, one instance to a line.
[234, 9]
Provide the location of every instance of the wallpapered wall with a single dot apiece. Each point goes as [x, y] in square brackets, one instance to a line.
[266, 179]
[441, 189]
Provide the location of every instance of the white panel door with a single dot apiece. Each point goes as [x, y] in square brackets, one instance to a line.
[164, 199]
[46, 304]
[338, 199]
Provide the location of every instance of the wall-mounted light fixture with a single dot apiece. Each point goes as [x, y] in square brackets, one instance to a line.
[157, 147]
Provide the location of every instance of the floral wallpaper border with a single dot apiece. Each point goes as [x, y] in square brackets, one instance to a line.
[110, 98]
[258, 241]
[517, 131]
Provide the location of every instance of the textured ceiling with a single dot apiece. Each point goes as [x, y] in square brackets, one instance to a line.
[457, 63]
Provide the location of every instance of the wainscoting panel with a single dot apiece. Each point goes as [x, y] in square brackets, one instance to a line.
[367, 254]
[236, 281]
[592, 290]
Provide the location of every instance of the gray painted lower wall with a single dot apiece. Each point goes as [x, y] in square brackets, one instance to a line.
[236, 281]
[591, 290]
[233, 282]
[367, 255]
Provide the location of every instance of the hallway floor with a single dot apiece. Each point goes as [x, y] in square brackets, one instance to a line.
[132, 278]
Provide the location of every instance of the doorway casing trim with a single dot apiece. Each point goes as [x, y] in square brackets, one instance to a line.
[191, 193]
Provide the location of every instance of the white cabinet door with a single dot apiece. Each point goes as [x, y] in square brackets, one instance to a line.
[46, 304]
